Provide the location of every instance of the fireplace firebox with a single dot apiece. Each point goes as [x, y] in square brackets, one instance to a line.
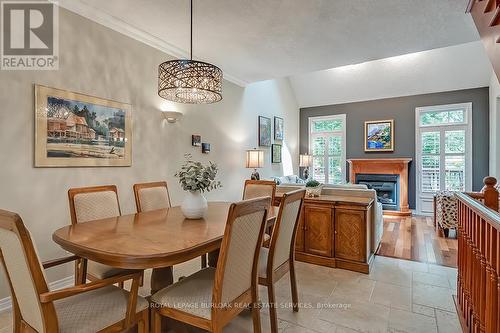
[386, 186]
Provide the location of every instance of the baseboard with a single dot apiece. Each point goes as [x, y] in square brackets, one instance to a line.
[69, 281]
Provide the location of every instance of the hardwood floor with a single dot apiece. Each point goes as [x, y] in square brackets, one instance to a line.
[414, 238]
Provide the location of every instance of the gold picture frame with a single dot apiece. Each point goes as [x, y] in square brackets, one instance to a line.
[379, 136]
[78, 130]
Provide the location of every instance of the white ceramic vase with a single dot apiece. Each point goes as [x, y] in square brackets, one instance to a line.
[194, 205]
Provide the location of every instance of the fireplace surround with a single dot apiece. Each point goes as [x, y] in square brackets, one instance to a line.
[385, 166]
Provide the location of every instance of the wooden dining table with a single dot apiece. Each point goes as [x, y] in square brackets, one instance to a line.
[157, 239]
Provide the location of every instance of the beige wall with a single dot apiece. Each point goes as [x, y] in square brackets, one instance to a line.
[97, 61]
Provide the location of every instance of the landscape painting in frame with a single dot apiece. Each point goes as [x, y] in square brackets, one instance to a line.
[76, 130]
[265, 131]
[379, 135]
[278, 128]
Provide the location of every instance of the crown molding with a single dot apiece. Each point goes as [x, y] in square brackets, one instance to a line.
[116, 24]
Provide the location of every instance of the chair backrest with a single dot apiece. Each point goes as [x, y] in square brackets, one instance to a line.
[259, 188]
[93, 203]
[151, 196]
[282, 243]
[239, 253]
[24, 273]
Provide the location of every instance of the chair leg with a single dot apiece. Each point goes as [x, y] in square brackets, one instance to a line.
[273, 316]
[204, 261]
[143, 326]
[293, 285]
[156, 321]
[256, 317]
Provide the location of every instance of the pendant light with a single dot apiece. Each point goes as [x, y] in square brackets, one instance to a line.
[190, 81]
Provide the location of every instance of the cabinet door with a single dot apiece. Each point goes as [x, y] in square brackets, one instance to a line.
[318, 237]
[299, 238]
[350, 235]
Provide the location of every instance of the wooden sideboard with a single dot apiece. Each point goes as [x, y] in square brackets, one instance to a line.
[334, 231]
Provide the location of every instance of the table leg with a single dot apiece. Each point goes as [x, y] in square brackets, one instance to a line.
[161, 278]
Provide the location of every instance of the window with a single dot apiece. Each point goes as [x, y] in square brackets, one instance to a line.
[327, 146]
[444, 151]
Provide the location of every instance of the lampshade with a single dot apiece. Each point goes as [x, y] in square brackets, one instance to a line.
[305, 161]
[255, 158]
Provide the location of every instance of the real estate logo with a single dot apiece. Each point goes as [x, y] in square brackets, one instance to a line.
[30, 35]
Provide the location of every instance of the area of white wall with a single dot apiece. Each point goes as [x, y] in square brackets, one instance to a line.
[100, 62]
[445, 69]
[494, 126]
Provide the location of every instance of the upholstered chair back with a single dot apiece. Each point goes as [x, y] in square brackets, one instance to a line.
[23, 269]
[285, 227]
[93, 203]
[237, 266]
[259, 188]
[151, 196]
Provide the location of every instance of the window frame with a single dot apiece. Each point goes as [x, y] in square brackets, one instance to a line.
[466, 125]
[326, 135]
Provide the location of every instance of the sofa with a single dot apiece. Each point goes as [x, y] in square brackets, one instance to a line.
[289, 180]
[353, 190]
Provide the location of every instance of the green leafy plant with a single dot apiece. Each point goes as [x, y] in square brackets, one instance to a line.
[313, 183]
[194, 176]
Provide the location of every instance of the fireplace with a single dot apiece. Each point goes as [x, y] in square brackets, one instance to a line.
[386, 186]
[386, 167]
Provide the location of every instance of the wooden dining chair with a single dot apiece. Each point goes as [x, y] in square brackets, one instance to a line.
[93, 203]
[151, 196]
[92, 307]
[278, 259]
[260, 188]
[211, 298]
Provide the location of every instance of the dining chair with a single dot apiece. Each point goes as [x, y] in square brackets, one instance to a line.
[260, 188]
[92, 307]
[209, 299]
[93, 203]
[153, 196]
[279, 258]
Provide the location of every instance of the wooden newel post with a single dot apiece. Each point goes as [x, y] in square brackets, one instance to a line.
[490, 193]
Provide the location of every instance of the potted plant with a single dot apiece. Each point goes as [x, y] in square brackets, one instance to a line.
[313, 188]
[196, 178]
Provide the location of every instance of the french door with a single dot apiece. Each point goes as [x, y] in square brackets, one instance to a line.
[444, 152]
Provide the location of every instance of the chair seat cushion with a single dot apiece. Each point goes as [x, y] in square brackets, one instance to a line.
[101, 271]
[94, 310]
[192, 294]
[264, 253]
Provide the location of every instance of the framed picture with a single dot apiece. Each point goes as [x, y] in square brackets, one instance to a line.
[76, 130]
[205, 148]
[196, 140]
[379, 135]
[278, 128]
[276, 153]
[264, 131]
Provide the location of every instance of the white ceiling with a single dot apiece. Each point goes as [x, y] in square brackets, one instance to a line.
[264, 39]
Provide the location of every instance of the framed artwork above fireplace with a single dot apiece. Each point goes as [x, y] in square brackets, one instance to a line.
[379, 135]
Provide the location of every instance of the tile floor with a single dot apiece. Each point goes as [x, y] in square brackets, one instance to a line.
[398, 296]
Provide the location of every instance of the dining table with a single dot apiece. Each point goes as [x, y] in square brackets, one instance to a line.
[157, 239]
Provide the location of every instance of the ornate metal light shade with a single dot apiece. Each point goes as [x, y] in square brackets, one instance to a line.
[190, 81]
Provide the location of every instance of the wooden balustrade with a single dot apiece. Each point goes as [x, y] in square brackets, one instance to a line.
[478, 284]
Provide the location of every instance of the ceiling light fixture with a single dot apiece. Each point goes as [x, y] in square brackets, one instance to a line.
[190, 81]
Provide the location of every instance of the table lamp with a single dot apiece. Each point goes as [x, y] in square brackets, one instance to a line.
[305, 161]
[255, 159]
